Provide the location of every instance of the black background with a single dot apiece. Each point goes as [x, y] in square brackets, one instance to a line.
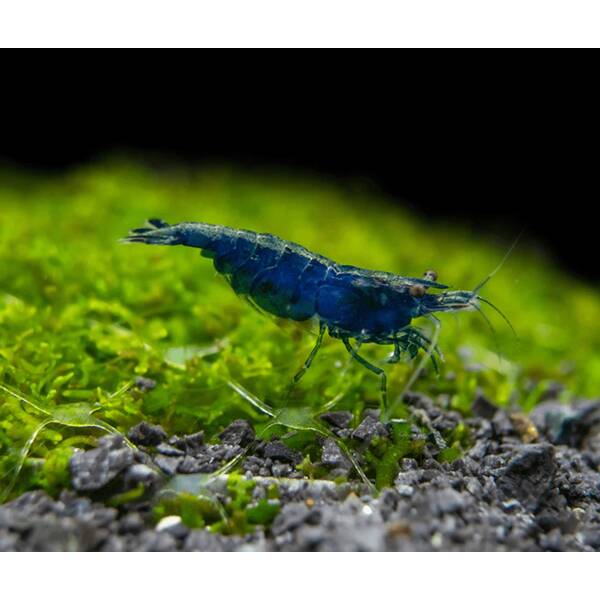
[505, 165]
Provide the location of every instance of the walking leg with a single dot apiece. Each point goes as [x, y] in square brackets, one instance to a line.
[374, 369]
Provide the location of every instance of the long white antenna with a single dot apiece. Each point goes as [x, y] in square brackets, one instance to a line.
[510, 250]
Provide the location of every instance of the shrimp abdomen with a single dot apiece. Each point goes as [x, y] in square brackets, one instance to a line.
[280, 277]
[288, 287]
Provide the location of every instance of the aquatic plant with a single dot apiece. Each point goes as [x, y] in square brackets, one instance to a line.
[82, 316]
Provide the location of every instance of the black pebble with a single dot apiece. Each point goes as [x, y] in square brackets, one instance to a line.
[145, 434]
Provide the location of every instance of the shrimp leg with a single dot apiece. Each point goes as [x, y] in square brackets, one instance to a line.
[395, 357]
[311, 356]
[377, 370]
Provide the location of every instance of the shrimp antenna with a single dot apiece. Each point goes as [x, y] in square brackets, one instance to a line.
[485, 318]
[510, 251]
[489, 324]
[499, 312]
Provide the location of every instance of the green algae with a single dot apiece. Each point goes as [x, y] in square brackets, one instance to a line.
[82, 316]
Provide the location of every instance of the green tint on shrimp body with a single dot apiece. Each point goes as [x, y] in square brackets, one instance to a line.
[291, 282]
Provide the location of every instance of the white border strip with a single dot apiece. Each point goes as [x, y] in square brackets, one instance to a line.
[299, 23]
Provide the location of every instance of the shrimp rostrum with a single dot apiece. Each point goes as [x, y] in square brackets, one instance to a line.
[357, 306]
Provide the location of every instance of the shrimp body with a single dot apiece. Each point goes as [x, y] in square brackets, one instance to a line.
[291, 282]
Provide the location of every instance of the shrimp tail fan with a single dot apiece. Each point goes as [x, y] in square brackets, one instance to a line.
[157, 232]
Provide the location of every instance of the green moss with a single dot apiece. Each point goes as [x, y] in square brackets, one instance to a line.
[132, 495]
[196, 511]
[400, 447]
[55, 474]
[240, 513]
[450, 454]
[81, 315]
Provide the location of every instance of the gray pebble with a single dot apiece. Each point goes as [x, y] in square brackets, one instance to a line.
[145, 384]
[339, 419]
[96, 468]
[370, 427]
[279, 451]
[167, 464]
[145, 434]
[333, 457]
[238, 433]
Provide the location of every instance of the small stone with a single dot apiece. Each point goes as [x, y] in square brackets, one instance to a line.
[552, 541]
[96, 468]
[281, 470]
[114, 543]
[493, 462]
[145, 384]
[189, 465]
[155, 541]
[64, 535]
[8, 541]
[483, 408]
[167, 464]
[168, 522]
[279, 451]
[405, 490]
[399, 529]
[474, 487]
[528, 476]
[238, 433]
[131, 523]
[145, 434]
[479, 450]
[143, 474]
[370, 427]
[502, 425]
[333, 457]
[490, 491]
[446, 422]
[194, 441]
[511, 505]
[189, 443]
[482, 428]
[591, 537]
[436, 442]
[448, 500]
[371, 412]
[36, 502]
[431, 463]
[291, 516]
[569, 425]
[408, 478]
[74, 506]
[564, 521]
[101, 518]
[200, 540]
[168, 450]
[339, 419]
[409, 464]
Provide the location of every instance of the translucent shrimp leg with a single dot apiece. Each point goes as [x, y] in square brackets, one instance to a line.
[374, 369]
[397, 354]
[23, 457]
[311, 356]
[427, 356]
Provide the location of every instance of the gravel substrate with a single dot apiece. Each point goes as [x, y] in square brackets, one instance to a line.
[526, 484]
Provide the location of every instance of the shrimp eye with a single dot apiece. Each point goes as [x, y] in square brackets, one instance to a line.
[417, 290]
[431, 275]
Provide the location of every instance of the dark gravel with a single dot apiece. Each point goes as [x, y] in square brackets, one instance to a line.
[525, 484]
[369, 428]
[239, 433]
[145, 434]
[96, 468]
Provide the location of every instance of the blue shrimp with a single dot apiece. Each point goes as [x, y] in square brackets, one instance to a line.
[291, 282]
